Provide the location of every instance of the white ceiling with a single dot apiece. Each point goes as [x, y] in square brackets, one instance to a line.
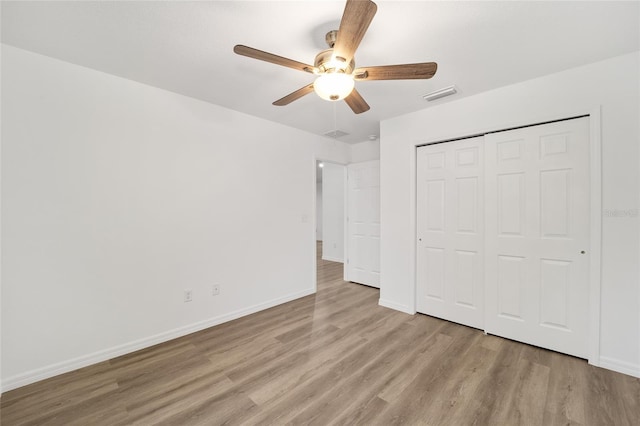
[187, 47]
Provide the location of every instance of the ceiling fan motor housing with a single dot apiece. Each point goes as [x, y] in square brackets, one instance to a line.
[331, 38]
[326, 62]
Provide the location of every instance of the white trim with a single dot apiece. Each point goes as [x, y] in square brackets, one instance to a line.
[595, 237]
[1, 382]
[345, 223]
[396, 306]
[345, 266]
[0, 247]
[332, 259]
[619, 366]
[103, 355]
[413, 222]
[314, 242]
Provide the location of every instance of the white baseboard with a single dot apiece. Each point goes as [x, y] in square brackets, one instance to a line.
[332, 259]
[620, 366]
[104, 355]
[396, 306]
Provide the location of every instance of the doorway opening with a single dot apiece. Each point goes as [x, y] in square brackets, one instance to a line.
[330, 220]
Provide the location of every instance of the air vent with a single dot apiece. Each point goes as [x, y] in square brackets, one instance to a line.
[335, 134]
[447, 91]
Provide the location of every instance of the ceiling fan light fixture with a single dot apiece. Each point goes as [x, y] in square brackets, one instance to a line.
[335, 67]
[334, 86]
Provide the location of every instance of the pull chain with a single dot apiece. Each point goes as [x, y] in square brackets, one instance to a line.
[335, 121]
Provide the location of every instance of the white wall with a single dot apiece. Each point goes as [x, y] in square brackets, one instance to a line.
[333, 176]
[612, 85]
[117, 196]
[364, 151]
[319, 211]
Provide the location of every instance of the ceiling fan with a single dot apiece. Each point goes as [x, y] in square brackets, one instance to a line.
[335, 67]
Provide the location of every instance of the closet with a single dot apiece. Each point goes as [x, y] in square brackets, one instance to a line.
[503, 228]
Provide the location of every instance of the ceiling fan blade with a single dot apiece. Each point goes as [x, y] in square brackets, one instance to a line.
[270, 57]
[422, 70]
[356, 102]
[294, 96]
[356, 18]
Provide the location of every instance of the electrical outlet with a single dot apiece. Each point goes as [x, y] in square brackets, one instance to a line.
[188, 295]
[215, 290]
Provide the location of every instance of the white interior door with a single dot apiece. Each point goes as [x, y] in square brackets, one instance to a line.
[363, 223]
[450, 236]
[537, 234]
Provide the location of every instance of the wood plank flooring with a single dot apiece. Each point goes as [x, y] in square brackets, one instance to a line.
[332, 358]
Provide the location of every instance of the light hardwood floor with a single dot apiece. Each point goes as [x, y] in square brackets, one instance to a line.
[333, 358]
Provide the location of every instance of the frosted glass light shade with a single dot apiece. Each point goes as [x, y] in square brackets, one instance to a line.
[334, 86]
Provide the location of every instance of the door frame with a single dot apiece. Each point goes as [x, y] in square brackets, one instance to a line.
[314, 277]
[595, 240]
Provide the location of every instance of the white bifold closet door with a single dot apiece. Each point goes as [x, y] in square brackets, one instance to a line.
[450, 231]
[363, 223]
[538, 200]
[503, 229]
